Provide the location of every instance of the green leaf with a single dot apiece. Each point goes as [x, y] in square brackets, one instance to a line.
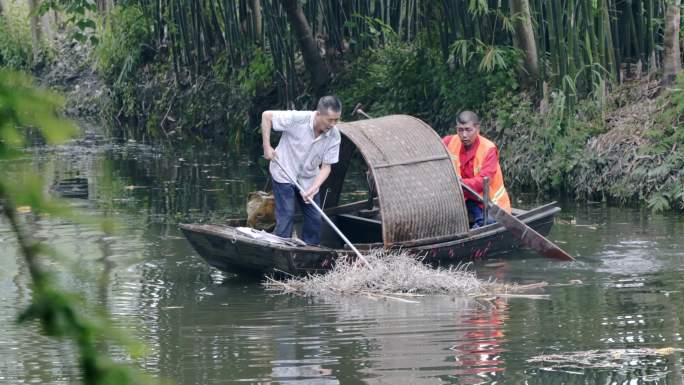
[83, 24]
[659, 202]
[492, 60]
[461, 52]
[660, 171]
[81, 38]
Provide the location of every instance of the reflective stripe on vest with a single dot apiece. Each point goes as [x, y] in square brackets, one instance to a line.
[497, 190]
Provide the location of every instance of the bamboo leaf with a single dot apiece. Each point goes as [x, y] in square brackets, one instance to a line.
[659, 202]
[493, 59]
[569, 82]
[461, 52]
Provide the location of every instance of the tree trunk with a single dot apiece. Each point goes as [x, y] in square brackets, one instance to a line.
[256, 14]
[101, 7]
[672, 62]
[312, 60]
[524, 39]
[36, 30]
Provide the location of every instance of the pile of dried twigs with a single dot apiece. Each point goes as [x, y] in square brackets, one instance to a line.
[394, 274]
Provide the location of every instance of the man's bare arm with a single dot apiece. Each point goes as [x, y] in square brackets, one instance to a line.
[323, 174]
[266, 125]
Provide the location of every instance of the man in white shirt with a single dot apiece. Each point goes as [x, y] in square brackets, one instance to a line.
[309, 145]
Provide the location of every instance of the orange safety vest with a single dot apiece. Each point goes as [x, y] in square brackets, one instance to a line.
[497, 192]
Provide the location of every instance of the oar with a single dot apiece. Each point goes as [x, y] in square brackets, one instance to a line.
[527, 235]
[332, 225]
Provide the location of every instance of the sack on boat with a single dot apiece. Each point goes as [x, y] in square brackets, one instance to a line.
[268, 237]
[261, 210]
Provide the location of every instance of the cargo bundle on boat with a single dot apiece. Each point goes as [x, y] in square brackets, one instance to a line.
[415, 203]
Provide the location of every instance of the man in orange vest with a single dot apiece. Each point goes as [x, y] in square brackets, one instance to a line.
[476, 157]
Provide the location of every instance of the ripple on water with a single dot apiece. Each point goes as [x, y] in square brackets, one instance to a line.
[204, 327]
[306, 340]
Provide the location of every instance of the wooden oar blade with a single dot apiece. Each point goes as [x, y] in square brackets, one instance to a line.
[528, 236]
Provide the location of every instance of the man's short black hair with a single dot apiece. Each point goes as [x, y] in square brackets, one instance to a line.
[466, 117]
[329, 103]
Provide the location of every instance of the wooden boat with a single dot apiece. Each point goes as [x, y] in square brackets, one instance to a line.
[415, 203]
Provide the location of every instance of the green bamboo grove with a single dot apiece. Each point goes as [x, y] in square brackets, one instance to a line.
[578, 46]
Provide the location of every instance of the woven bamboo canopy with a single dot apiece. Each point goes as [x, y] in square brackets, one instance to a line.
[418, 191]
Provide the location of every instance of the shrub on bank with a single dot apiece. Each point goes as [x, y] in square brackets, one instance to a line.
[123, 42]
[640, 156]
[148, 99]
[539, 148]
[412, 79]
[624, 150]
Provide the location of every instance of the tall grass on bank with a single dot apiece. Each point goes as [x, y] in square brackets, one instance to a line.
[624, 149]
[15, 36]
[121, 48]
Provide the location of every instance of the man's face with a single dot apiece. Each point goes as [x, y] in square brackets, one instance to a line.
[468, 132]
[326, 120]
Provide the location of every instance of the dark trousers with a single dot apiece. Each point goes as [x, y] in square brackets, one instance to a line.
[477, 213]
[285, 196]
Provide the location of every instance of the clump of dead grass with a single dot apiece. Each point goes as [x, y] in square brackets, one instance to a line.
[395, 274]
[610, 161]
[617, 147]
[600, 359]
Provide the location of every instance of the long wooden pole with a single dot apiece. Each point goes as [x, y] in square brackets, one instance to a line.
[320, 211]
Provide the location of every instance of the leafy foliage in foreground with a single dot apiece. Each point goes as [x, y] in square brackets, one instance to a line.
[60, 314]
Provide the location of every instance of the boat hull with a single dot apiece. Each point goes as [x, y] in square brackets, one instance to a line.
[227, 249]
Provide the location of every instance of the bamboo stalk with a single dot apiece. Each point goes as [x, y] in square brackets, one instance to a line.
[610, 46]
[574, 38]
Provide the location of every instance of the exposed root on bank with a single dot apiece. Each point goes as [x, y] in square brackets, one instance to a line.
[396, 275]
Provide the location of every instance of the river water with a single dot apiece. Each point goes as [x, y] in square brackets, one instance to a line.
[612, 317]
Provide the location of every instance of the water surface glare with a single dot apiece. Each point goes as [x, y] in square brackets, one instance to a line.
[608, 320]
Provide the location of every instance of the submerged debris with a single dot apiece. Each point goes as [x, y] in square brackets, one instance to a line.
[600, 359]
[394, 274]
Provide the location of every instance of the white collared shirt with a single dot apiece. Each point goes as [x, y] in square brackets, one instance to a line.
[298, 150]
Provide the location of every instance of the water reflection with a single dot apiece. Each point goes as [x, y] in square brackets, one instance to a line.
[202, 326]
[257, 338]
[481, 354]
